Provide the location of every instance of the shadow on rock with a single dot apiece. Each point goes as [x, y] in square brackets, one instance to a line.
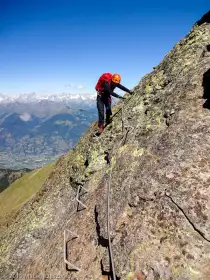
[101, 240]
[206, 89]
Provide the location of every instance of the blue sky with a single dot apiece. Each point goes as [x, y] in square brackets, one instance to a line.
[54, 46]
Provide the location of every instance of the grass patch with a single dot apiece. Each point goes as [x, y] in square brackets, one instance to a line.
[23, 189]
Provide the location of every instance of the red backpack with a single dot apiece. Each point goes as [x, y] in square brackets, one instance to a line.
[105, 77]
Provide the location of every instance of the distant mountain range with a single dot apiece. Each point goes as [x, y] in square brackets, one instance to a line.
[46, 105]
[36, 129]
[34, 97]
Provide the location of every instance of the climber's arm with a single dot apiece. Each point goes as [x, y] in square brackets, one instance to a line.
[123, 88]
[108, 89]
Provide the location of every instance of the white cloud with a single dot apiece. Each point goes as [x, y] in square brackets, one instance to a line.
[75, 86]
[81, 86]
[25, 117]
[69, 85]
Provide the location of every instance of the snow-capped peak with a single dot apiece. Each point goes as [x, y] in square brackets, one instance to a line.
[34, 97]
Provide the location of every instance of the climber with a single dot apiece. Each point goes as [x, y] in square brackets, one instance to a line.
[104, 87]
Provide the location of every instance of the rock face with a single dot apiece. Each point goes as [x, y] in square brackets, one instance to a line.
[160, 194]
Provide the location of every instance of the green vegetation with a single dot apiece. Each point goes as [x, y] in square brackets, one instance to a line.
[23, 189]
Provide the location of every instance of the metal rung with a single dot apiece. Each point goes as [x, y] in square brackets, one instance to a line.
[128, 126]
[78, 194]
[65, 249]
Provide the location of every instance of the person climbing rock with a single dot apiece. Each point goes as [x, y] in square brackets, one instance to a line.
[105, 88]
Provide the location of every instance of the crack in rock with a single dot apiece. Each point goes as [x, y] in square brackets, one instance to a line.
[192, 224]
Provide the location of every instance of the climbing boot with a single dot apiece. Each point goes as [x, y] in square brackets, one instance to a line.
[101, 128]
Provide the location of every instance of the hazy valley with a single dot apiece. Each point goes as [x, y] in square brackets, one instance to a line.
[35, 130]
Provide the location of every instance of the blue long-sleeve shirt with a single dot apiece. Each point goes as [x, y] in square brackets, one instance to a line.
[109, 89]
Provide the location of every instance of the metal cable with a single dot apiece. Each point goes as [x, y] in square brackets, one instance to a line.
[108, 200]
[108, 225]
[108, 207]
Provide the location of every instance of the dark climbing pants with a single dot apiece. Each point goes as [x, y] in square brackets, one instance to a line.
[101, 102]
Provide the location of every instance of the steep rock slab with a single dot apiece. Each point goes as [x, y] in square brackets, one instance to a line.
[160, 196]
